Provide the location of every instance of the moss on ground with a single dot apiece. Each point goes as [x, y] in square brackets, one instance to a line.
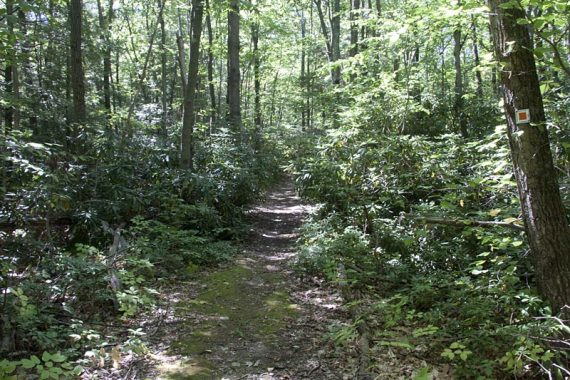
[238, 303]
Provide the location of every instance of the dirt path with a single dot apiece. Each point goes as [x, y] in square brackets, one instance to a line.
[252, 319]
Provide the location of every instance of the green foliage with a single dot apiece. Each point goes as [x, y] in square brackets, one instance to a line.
[429, 283]
[163, 221]
[50, 366]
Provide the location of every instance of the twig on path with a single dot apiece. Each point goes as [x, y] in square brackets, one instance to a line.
[318, 366]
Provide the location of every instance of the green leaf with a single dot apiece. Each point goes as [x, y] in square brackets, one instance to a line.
[58, 358]
[7, 367]
[46, 357]
[464, 355]
[28, 363]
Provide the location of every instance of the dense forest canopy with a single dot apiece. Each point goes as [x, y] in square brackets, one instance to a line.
[433, 138]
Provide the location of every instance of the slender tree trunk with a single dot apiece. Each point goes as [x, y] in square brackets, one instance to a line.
[181, 54]
[187, 146]
[256, 80]
[478, 76]
[142, 77]
[79, 113]
[324, 30]
[104, 26]
[303, 59]
[543, 212]
[335, 32]
[9, 72]
[458, 111]
[568, 40]
[273, 100]
[117, 101]
[211, 88]
[355, 9]
[234, 76]
[442, 71]
[163, 75]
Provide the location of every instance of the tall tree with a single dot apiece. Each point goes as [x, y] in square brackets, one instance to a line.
[478, 75]
[544, 215]
[211, 87]
[234, 76]
[187, 146]
[9, 70]
[324, 30]
[77, 75]
[354, 30]
[104, 23]
[163, 72]
[303, 77]
[458, 111]
[257, 76]
[335, 44]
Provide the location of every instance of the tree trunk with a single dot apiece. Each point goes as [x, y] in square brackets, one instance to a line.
[142, 76]
[256, 79]
[163, 76]
[79, 113]
[181, 55]
[478, 76]
[187, 147]
[9, 72]
[458, 111]
[104, 26]
[355, 8]
[211, 88]
[542, 208]
[303, 74]
[324, 30]
[335, 32]
[234, 76]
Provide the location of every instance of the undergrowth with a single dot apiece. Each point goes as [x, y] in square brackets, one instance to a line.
[457, 294]
[86, 247]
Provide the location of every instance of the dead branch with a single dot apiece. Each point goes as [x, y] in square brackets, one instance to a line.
[465, 222]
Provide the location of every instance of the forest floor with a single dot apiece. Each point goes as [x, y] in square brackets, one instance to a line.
[252, 318]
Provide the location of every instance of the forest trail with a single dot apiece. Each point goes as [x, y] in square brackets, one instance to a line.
[251, 319]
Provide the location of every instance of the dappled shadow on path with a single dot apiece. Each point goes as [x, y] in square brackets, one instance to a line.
[252, 319]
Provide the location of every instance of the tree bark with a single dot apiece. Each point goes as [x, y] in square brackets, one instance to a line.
[458, 111]
[79, 113]
[104, 26]
[9, 72]
[256, 79]
[324, 30]
[187, 146]
[303, 73]
[543, 212]
[142, 76]
[478, 75]
[335, 33]
[234, 75]
[181, 55]
[163, 75]
[211, 88]
[354, 30]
